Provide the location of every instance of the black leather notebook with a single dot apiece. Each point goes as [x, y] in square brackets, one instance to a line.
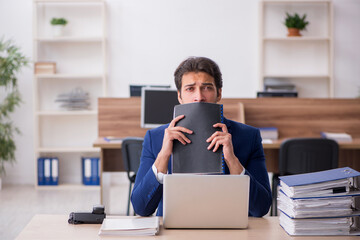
[195, 157]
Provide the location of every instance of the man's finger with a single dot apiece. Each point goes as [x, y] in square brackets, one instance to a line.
[183, 137]
[222, 126]
[215, 134]
[182, 129]
[175, 120]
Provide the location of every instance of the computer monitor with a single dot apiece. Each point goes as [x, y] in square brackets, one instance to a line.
[157, 106]
[135, 90]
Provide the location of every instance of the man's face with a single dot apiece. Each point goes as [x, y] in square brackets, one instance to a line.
[198, 87]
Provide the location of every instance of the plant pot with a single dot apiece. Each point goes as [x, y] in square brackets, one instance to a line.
[58, 30]
[294, 32]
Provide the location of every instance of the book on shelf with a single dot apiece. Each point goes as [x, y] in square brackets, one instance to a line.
[320, 203]
[48, 171]
[339, 137]
[194, 157]
[140, 226]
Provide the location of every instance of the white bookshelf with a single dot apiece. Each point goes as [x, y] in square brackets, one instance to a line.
[305, 61]
[81, 61]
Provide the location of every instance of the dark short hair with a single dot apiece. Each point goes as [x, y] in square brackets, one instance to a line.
[198, 64]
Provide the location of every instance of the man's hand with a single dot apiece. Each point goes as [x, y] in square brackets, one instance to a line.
[171, 133]
[224, 138]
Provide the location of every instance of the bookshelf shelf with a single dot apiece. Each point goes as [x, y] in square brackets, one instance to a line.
[68, 1]
[69, 187]
[69, 39]
[296, 76]
[68, 150]
[296, 39]
[69, 76]
[67, 113]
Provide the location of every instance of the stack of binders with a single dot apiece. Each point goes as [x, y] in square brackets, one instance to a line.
[269, 133]
[320, 203]
[48, 171]
[91, 171]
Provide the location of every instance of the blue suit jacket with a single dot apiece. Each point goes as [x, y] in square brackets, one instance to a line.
[147, 193]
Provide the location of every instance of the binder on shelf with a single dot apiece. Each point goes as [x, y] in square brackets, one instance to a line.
[320, 203]
[195, 157]
[54, 171]
[41, 177]
[91, 170]
[48, 171]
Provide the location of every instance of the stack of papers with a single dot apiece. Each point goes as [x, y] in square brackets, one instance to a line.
[320, 203]
[269, 133]
[339, 137]
[323, 226]
[77, 99]
[144, 226]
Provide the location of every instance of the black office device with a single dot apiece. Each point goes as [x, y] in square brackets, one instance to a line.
[157, 106]
[135, 90]
[277, 94]
[95, 217]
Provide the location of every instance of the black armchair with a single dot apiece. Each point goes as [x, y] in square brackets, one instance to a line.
[131, 153]
[304, 155]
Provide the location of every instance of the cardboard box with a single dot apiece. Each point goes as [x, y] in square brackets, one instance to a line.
[45, 68]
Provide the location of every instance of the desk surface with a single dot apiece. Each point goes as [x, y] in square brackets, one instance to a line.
[355, 144]
[56, 227]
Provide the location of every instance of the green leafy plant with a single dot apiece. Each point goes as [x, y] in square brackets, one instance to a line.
[295, 21]
[11, 62]
[58, 21]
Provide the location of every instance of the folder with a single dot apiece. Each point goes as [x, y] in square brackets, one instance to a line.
[41, 177]
[320, 203]
[194, 157]
[323, 183]
[54, 171]
[47, 171]
[91, 170]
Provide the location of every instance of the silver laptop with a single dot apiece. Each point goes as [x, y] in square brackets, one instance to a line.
[205, 201]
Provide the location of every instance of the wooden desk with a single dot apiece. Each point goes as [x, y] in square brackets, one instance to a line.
[294, 117]
[349, 153]
[56, 227]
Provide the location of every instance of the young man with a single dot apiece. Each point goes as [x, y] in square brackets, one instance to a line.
[199, 79]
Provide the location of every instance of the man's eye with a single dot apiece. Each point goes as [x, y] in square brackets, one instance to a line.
[189, 89]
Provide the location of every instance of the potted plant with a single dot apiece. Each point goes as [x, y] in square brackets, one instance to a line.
[58, 25]
[11, 62]
[295, 24]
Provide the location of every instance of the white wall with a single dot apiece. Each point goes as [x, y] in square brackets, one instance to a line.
[149, 38]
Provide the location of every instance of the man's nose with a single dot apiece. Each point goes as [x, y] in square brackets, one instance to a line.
[199, 97]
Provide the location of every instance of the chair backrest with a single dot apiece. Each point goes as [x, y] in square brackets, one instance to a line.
[131, 148]
[303, 155]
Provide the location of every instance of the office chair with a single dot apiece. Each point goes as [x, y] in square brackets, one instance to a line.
[131, 152]
[304, 155]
